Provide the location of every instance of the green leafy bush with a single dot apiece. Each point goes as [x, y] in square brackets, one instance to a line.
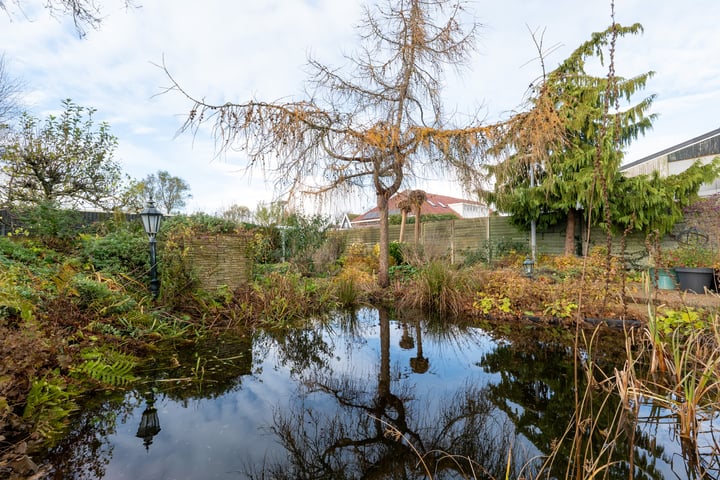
[55, 227]
[402, 272]
[99, 297]
[121, 251]
[199, 223]
[395, 250]
[26, 252]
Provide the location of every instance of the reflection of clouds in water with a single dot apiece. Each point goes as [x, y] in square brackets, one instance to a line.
[340, 385]
[208, 438]
[203, 438]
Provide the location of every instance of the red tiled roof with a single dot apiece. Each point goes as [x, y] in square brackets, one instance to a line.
[434, 204]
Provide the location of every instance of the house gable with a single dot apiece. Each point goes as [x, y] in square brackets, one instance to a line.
[434, 204]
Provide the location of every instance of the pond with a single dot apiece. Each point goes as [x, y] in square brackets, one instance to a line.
[362, 395]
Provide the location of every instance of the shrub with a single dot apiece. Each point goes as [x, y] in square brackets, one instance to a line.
[100, 297]
[121, 251]
[395, 251]
[358, 256]
[402, 273]
[24, 251]
[198, 223]
[327, 258]
[55, 227]
[303, 235]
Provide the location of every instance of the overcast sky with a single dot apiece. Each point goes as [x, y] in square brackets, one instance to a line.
[240, 49]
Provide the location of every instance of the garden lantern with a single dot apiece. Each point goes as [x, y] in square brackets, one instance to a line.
[151, 218]
[149, 423]
[528, 267]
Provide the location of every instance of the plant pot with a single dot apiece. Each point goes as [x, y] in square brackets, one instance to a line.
[696, 279]
[663, 278]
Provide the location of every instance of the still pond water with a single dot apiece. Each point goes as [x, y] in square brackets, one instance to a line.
[330, 402]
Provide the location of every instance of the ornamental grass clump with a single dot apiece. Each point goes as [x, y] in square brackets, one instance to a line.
[437, 288]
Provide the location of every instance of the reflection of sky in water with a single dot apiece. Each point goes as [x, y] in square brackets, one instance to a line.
[205, 438]
[232, 434]
[223, 437]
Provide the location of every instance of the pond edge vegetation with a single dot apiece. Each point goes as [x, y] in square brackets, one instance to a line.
[77, 322]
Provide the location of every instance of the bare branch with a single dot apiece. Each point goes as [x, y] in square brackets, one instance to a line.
[379, 123]
[84, 13]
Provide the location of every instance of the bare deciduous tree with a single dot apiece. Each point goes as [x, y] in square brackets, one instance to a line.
[379, 125]
[236, 213]
[10, 91]
[85, 13]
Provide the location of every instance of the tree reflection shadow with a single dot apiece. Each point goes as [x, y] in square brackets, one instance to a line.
[537, 391]
[378, 430]
[85, 451]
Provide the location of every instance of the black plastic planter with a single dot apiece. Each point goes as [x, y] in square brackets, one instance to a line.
[696, 280]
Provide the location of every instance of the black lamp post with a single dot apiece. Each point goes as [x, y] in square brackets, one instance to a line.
[149, 423]
[151, 218]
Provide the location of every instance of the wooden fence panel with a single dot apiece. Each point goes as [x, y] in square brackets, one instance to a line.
[453, 239]
[219, 260]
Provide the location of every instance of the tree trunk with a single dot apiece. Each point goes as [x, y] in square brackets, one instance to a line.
[383, 260]
[403, 220]
[570, 233]
[417, 225]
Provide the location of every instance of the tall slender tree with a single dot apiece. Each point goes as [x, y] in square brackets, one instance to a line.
[377, 125]
[405, 207]
[565, 176]
[417, 198]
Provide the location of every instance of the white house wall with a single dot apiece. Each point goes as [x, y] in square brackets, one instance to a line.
[672, 161]
[469, 210]
[660, 164]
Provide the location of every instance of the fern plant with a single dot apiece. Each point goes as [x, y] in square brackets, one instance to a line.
[49, 404]
[109, 367]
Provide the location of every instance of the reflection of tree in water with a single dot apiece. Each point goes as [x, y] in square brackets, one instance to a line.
[407, 342]
[361, 438]
[419, 364]
[85, 450]
[539, 378]
[298, 349]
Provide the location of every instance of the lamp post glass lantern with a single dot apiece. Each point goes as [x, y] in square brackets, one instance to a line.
[151, 218]
[528, 267]
[149, 423]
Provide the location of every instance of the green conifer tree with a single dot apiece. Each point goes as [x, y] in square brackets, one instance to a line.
[566, 171]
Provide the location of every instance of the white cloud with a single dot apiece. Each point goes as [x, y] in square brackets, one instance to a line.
[231, 51]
